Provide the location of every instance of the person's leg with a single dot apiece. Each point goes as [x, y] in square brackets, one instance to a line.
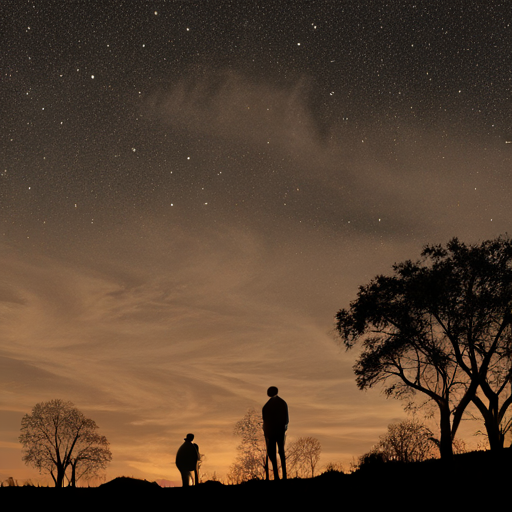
[282, 455]
[185, 478]
[271, 452]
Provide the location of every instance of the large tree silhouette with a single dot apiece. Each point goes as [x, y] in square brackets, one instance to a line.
[57, 436]
[440, 326]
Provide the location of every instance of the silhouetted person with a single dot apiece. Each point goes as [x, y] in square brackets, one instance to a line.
[275, 424]
[187, 459]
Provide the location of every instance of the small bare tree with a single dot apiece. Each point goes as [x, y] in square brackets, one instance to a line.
[407, 441]
[302, 457]
[333, 467]
[250, 462]
[92, 455]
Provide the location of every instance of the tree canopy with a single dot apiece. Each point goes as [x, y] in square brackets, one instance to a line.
[56, 437]
[440, 326]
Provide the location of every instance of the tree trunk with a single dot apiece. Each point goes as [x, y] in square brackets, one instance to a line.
[492, 424]
[59, 479]
[445, 445]
[72, 483]
[496, 438]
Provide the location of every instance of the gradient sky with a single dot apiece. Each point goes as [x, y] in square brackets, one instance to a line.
[190, 190]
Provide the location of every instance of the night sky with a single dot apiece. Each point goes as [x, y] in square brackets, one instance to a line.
[190, 190]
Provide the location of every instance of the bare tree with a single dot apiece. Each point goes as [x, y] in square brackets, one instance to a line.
[334, 467]
[57, 436]
[250, 462]
[302, 457]
[407, 441]
[91, 456]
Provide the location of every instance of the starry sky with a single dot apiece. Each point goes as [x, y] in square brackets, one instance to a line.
[190, 190]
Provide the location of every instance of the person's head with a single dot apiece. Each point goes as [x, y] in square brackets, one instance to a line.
[272, 391]
[190, 437]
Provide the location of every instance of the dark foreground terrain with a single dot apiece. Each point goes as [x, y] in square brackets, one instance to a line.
[472, 479]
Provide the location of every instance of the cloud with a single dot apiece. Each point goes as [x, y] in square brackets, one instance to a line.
[231, 107]
[397, 177]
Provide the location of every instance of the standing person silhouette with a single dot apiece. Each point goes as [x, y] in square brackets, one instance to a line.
[187, 459]
[275, 424]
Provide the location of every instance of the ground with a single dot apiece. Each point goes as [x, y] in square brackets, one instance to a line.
[473, 480]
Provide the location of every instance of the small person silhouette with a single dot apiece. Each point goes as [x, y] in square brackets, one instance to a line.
[275, 424]
[187, 459]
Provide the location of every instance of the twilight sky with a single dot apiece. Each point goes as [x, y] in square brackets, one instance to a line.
[190, 190]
